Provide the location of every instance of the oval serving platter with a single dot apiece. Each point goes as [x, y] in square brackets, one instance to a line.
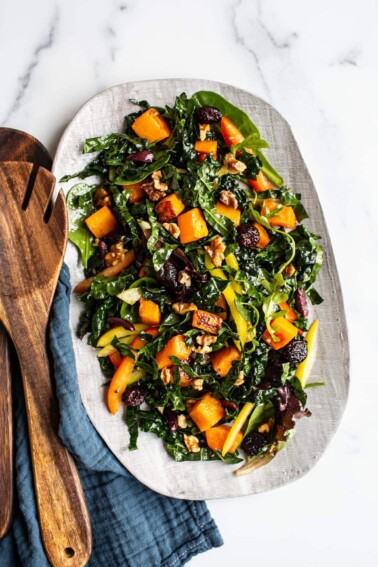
[150, 463]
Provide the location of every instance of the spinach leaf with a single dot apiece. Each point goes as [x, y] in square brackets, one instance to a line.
[80, 206]
[243, 122]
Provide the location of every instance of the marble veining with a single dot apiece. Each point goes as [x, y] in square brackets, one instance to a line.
[25, 79]
[317, 63]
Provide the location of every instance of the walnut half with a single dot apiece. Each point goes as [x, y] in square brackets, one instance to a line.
[172, 228]
[192, 443]
[216, 251]
[183, 308]
[115, 255]
[228, 199]
[233, 165]
[156, 188]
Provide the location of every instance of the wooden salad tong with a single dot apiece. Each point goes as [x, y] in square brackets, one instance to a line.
[32, 244]
[14, 146]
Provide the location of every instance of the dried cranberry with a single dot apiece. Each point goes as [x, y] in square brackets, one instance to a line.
[301, 302]
[207, 115]
[172, 420]
[273, 371]
[133, 396]
[229, 405]
[121, 322]
[254, 442]
[248, 235]
[294, 352]
[143, 156]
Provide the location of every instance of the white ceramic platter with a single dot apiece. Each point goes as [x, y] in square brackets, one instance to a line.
[151, 464]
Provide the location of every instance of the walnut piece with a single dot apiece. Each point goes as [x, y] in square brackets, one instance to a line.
[167, 376]
[182, 308]
[181, 421]
[203, 130]
[184, 278]
[172, 228]
[228, 199]
[240, 379]
[192, 443]
[115, 255]
[197, 384]
[101, 198]
[156, 188]
[233, 165]
[206, 340]
[216, 251]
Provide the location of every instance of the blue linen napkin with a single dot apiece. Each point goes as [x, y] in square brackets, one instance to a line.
[132, 525]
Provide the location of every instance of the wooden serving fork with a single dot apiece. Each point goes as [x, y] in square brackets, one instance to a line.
[32, 243]
[15, 145]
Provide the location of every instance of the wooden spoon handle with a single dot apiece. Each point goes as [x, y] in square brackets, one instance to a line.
[6, 436]
[63, 516]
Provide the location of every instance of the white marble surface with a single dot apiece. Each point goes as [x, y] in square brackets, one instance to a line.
[318, 64]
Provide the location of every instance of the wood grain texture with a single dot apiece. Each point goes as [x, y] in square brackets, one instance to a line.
[15, 145]
[31, 254]
[6, 436]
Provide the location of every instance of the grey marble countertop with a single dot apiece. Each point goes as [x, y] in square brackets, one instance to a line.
[317, 63]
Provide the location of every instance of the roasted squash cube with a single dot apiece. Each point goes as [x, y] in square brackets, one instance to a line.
[207, 147]
[283, 330]
[216, 436]
[229, 212]
[222, 360]
[192, 226]
[137, 194]
[207, 412]
[209, 322]
[151, 126]
[169, 208]
[102, 222]
[264, 236]
[175, 347]
[285, 217]
[149, 312]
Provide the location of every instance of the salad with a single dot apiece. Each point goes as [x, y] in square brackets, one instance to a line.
[198, 271]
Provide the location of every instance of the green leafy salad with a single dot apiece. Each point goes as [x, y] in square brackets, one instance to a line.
[198, 271]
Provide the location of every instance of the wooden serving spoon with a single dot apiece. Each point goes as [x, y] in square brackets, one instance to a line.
[32, 244]
[14, 146]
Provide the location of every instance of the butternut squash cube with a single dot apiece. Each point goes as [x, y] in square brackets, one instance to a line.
[175, 347]
[192, 226]
[149, 312]
[209, 322]
[283, 330]
[216, 436]
[285, 217]
[222, 360]
[102, 222]
[264, 236]
[151, 126]
[207, 412]
[229, 212]
[207, 147]
[169, 208]
[137, 194]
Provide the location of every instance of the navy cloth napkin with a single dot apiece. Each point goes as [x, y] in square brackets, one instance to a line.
[132, 525]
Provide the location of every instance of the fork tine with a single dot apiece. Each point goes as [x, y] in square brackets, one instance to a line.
[18, 191]
[58, 219]
[42, 191]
